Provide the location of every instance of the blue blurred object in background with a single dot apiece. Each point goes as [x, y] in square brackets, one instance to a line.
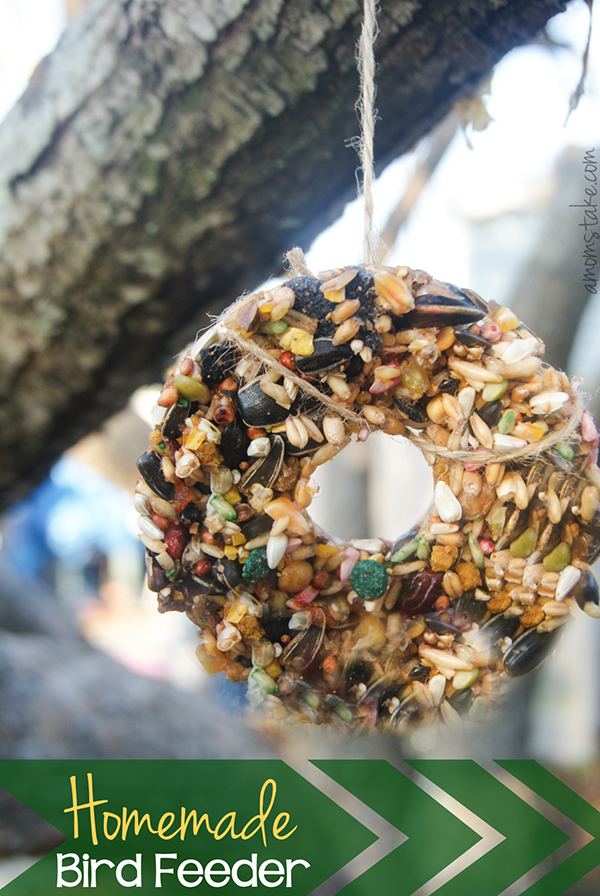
[73, 528]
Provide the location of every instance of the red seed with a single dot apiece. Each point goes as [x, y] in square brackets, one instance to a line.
[244, 465]
[244, 512]
[186, 367]
[321, 580]
[203, 568]
[285, 639]
[160, 521]
[228, 385]
[305, 597]
[223, 414]
[420, 592]
[330, 665]
[176, 537]
[287, 359]
[168, 397]
[256, 432]
[488, 547]
[209, 538]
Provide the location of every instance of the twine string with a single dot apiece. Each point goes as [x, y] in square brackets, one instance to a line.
[367, 112]
[561, 433]
[483, 457]
[296, 260]
[256, 351]
[365, 106]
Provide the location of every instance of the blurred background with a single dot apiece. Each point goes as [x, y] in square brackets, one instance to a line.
[490, 209]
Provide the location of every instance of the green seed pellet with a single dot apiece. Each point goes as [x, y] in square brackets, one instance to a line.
[369, 579]
[507, 423]
[494, 391]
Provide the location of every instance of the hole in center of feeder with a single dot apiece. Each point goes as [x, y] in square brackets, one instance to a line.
[375, 489]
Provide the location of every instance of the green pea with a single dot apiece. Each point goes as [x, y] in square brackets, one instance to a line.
[494, 391]
[191, 389]
[272, 327]
[558, 559]
[565, 450]
[476, 552]
[407, 551]
[422, 549]
[223, 507]
[264, 680]
[507, 422]
[311, 698]
[344, 712]
[524, 545]
[464, 679]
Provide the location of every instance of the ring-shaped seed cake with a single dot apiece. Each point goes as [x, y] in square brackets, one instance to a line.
[370, 633]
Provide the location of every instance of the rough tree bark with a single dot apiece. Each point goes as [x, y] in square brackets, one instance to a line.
[168, 153]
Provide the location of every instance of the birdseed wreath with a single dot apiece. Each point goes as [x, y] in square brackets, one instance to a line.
[371, 633]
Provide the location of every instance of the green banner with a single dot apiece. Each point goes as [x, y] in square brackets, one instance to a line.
[176, 826]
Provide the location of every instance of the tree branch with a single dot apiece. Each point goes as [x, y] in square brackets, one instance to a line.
[164, 158]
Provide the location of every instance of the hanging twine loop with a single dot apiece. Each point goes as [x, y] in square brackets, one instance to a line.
[365, 106]
[367, 112]
[562, 432]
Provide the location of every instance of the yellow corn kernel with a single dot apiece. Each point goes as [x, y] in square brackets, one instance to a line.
[507, 319]
[233, 496]
[297, 341]
[236, 612]
[243, 555]
[326, 550]
[273, 669]
[265, 309]
[238, 539]
[230, 552]
[195, 439]
[531, 432]
[335, 295]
